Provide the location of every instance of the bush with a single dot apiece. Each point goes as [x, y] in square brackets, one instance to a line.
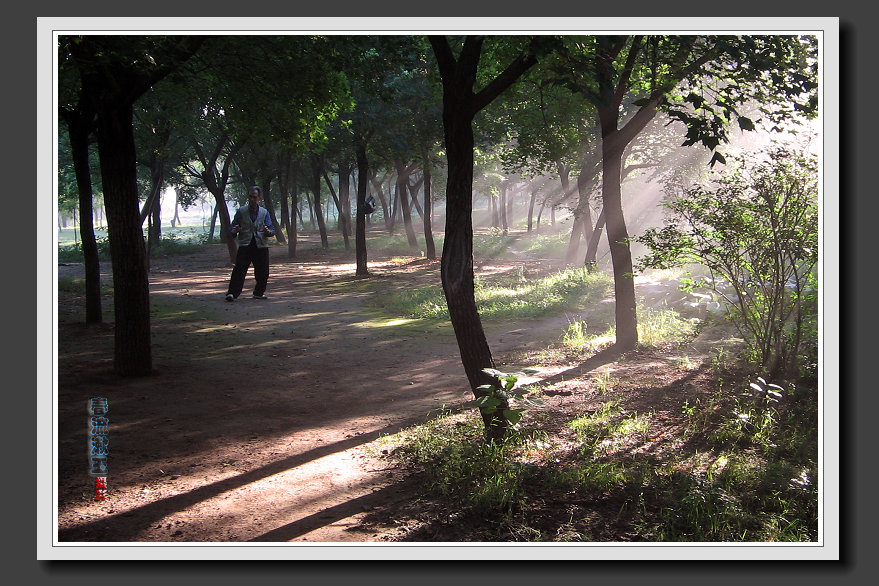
[756, 230]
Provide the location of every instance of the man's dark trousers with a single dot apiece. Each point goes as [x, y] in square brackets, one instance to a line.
[260, 259]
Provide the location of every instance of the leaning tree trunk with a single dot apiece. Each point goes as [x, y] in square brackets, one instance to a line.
[403, 202]
[270, 208]
[592, 250]
[132, 348]
[317, 169]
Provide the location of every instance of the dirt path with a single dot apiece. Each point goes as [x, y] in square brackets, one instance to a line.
[257, 423]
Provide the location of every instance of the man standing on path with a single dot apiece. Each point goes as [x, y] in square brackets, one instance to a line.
[251, 227]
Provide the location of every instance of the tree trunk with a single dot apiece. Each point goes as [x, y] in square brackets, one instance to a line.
[360, 230]
[618, 240]
[341, 223]
[293, 189]
[270, 208]
[213, 224]
[531, 207]
[502, 207]
[460, 105]
[345, 197]
[132, 348]
[317, 169]
[403, 202]
[79, 128]
[594, 241]
[427, 218]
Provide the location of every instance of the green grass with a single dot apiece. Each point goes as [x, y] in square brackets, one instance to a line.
[510, 295]
[656, 328]
[610, 479]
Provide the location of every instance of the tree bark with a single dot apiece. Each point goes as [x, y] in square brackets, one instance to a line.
[360, 230]
[342, 221]
[79, 125]
[460, 105]
[317, 169]
[427, 216]
[132, 348]
[270, 208]
[403, 201]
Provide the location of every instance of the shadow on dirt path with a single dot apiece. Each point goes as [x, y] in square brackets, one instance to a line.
[258, 417]
[261, 418]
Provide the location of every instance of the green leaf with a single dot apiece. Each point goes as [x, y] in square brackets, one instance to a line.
[487, 404]
[746, 123]
[717, 158]
[513, 415]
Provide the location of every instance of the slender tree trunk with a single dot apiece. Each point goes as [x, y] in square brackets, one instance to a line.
[531, 207]
[427, 218]
[386, 210]
[502, 207]
[270, 208]
[403, 201]
[345, 197]
[360, 230]
[214, 215]
[317, 169]
[293, 185]
[79, 128]
[460, 105]
[343, 228]
[594, 241]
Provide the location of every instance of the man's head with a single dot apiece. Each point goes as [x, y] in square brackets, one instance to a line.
[254, 196]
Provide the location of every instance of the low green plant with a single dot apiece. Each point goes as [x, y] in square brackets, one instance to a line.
[513, 401]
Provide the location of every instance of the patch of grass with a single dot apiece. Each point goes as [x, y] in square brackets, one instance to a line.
[484, 477]
[664, 327]
[71, 252]
[656, 328]
[76, 287]
[608, 479]
[508, 295]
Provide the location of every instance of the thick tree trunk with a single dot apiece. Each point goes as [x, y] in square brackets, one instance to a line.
[618, 240]
[225, 223]
[132, 349]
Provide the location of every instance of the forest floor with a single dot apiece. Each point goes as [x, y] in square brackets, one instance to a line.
[263, 420]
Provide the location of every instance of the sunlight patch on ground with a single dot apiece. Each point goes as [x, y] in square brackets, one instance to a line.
[385, 322]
